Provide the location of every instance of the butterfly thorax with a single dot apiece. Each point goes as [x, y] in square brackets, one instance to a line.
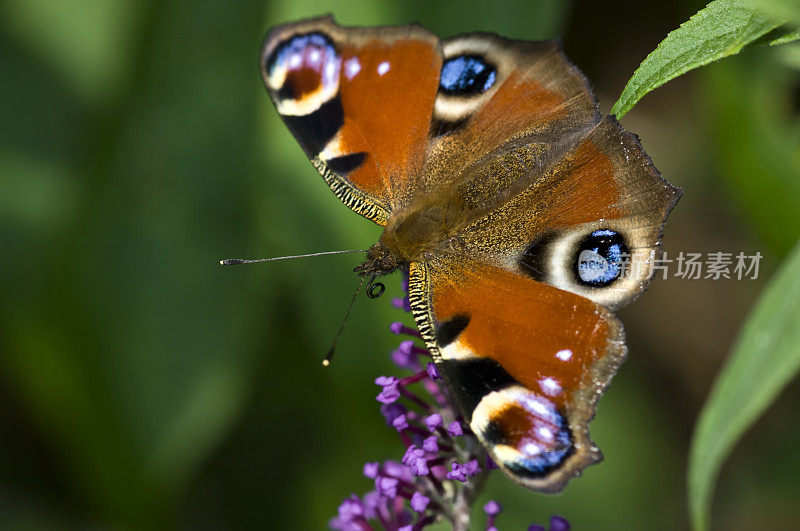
[413, 235]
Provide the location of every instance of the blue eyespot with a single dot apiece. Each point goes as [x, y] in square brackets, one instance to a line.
[295, 52]
[601, 259]
[466, 75]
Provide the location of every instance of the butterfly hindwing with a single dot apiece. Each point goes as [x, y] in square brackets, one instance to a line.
[356, 99]
[525, 361]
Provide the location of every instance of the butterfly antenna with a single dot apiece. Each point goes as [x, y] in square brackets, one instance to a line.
[236, 261]
[329, 356]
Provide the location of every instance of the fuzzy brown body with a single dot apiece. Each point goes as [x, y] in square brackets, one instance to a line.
[509, 199]
[417, 235]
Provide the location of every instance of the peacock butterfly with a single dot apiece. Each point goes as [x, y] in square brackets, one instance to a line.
[509, 200]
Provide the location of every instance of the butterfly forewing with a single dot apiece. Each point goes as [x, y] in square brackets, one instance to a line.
[358, 101]
[533, 97]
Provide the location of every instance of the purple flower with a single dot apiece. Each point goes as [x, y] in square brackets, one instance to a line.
[433, 421]
[351, 514]
[372, 503]
[400, 423]
[433, 372]
[430, 444]
[406, 346]
[558, 523]
[402, 304]
[386, 486]
[404, 360]
[390, 392]
[461, 472]
[399, 328]
[371, 470]
[492, 508]
[457, 472]
[471, 468]
[419, 502]
[454, 429]
[351, 508]
[397, 470]
[391, 411]
[415, 459]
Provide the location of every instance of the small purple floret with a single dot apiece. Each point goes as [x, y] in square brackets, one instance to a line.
[351, 508]
[430, 444]
[558, 523]
[388, 395]
[397, 470]
[471, 468]
[415, 459]
[433, 372]
[406, 346]
[404, 360]
[386, 486]
[492, 508]
[390, 392]
[536, 527]
[454, 429]
[433, 421]
[371, 470]
[400, 423]
[419, 502]
[412, 452]
[391, 411]
[372, 501]
[351, 515]
[457, 472]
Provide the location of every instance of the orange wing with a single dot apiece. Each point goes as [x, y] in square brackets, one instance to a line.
[527, 363]
[497, 95]
[359, 101]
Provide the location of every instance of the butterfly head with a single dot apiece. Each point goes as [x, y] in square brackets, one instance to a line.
[379, 261]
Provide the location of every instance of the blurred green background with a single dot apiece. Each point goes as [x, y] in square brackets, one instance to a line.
[143, 387]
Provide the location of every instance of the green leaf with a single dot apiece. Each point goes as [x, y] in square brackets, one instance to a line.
[765, 357]
[720, 29]
[787, 37]
[783, 9]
